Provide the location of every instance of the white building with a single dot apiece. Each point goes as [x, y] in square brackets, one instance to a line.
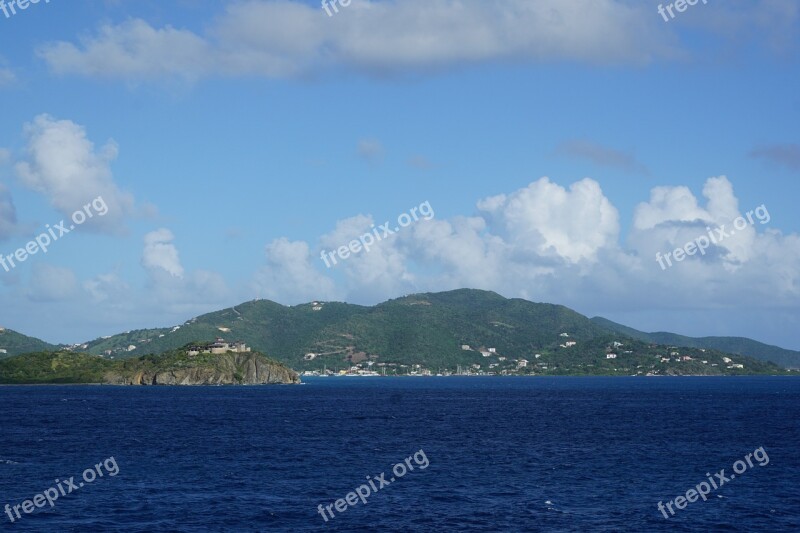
[611, 356]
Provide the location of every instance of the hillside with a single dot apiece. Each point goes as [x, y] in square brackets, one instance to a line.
[422, 328]
[427, 330]
[171, 368]
[13, 343]
[733, 345]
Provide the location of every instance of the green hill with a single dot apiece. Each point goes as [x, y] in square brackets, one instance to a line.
[424, 329]
[13, 343]
[733, 345]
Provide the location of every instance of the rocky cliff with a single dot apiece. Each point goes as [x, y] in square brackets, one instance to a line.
[227, 369]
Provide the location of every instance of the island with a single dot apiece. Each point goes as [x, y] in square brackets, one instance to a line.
[191, 365]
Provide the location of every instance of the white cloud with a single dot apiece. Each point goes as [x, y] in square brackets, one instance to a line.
[374, 273]
[173, 289]
[552, 221]
[562, 244]
[289, 275]
[289, 39]
[160, 253]
[64, 166]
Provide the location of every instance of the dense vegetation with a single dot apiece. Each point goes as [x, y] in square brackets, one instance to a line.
[15, 343]
[54, 367]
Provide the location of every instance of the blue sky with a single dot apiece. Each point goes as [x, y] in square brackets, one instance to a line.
[561, 144]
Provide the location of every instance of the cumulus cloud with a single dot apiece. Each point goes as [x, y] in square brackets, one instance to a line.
[160, 253]
[382, 270]
[601, 155]
[563, 244]
[674, 216]
[553, 221]
[170, 286]
[289, 275]
[278, 38]
[64, 166]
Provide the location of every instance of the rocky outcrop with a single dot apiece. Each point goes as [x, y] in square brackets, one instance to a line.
[228, 369]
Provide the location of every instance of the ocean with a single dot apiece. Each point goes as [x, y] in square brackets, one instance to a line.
[474, 454]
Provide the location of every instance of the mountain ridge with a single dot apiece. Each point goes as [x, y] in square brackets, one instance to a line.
[735, 345]
[417, 329]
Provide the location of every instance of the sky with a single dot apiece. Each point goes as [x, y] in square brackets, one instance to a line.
[552, 150]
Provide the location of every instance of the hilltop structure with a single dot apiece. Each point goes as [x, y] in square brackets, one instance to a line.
[219, 346]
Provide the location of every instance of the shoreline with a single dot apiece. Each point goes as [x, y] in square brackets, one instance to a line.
[314, 378]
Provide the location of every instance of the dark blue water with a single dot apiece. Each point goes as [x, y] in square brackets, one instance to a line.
[504, 454]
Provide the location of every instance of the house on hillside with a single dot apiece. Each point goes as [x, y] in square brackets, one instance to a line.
[611, 356]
